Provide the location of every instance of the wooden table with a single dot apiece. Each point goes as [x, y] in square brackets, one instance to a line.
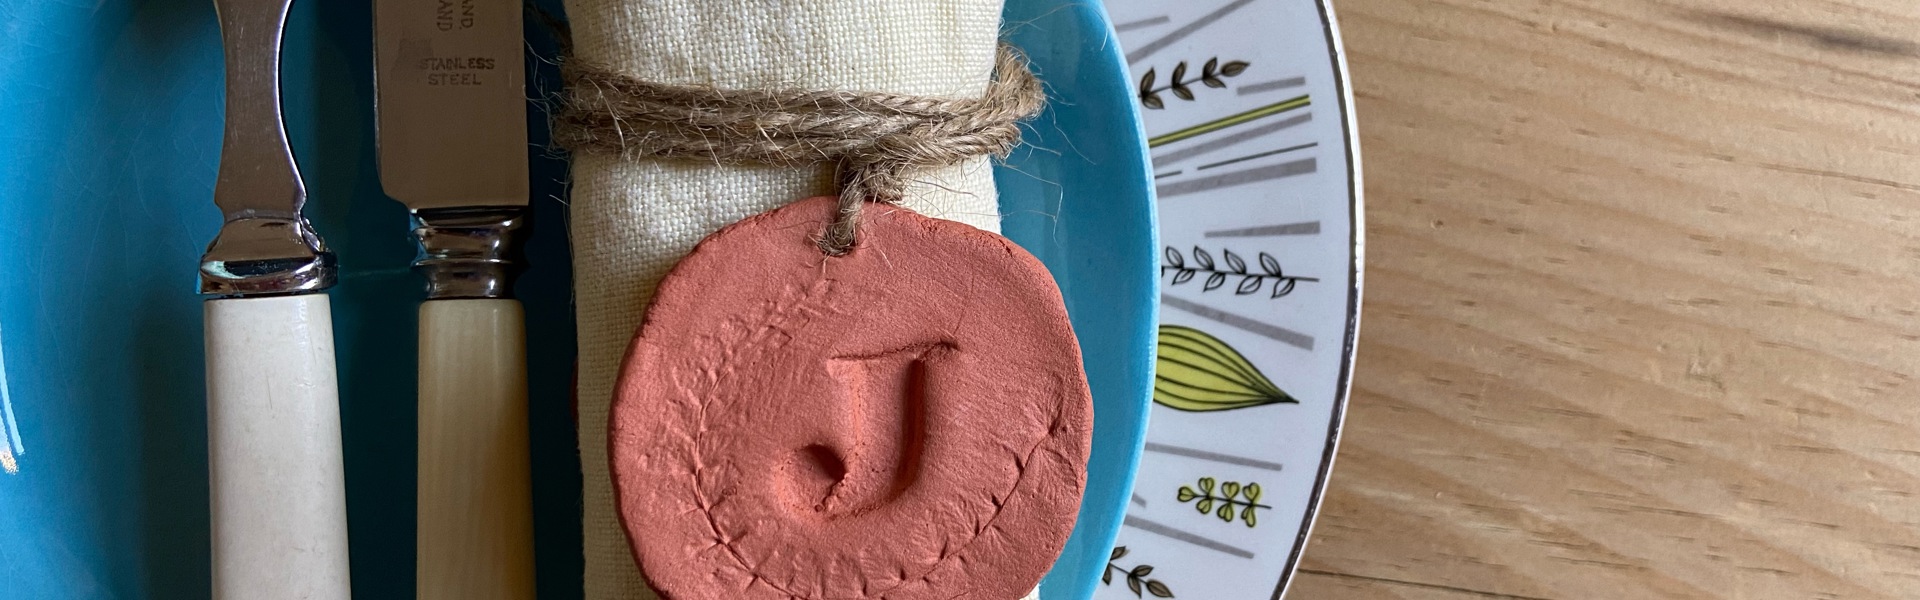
[1642, 305]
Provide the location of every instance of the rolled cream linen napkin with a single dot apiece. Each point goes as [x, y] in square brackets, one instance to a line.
[632, 220]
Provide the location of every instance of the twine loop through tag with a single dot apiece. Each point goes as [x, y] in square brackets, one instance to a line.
[879, 140]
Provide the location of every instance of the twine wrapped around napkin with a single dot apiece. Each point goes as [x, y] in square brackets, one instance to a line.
[632, 220]
[879, 141]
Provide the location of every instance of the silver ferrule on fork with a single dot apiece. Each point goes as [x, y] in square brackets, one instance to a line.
[260, 256]
[469, 252]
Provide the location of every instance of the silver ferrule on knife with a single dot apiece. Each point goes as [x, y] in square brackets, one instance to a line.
[469, 252]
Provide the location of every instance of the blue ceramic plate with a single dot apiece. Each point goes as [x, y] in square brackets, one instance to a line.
[111, 134]
[1079, 196]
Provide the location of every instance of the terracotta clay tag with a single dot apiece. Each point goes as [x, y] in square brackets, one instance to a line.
[908, 421]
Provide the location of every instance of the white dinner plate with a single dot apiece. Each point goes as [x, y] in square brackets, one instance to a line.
[1250, 126]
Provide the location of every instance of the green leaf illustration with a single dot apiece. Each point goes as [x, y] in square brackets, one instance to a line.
[1206, 485]
[1185, 494]
[1148, 96]
[1197, 372]
[1136, 577]
[1211, 75]
[1253, 492]
[1225, 513]
[1230, 489]
[1204, 506]
[1247, 515]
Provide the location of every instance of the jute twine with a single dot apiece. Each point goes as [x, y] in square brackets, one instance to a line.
[879, 140]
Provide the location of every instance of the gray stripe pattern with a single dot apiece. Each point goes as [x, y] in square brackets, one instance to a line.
[1268, 86]
[1142, 24]
[1258, 155]
[1169, 158]
[1142, 502]
[1145, 50]
[1307, 228]
[1191, 538]
[1228, 459]
[1274, 332]
[1194, 186]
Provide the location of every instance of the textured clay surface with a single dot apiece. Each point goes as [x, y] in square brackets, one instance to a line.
[910, 421]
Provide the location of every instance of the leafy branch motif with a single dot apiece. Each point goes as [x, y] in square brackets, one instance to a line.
[1229, 499]
[1136, 577]
[1250, 282]
[1211, 75]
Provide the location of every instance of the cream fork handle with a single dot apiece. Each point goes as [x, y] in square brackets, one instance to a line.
[273, 435]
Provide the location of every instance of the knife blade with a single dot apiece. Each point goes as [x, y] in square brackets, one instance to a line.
[451, 106]
[452, 102]
[278, 487]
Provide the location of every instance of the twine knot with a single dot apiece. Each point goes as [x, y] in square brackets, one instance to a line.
[879, 140]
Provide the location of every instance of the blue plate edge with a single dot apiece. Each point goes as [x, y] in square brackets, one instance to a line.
[1085, 555]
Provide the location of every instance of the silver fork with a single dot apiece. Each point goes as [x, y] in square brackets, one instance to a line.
[273, 412]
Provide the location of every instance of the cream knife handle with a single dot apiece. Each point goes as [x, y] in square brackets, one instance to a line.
[273, 436]
[475, 535]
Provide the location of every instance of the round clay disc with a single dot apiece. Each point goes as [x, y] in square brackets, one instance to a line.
[908, 421]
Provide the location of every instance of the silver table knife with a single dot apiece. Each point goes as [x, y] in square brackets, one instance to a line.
[278, 492]
[453, 148]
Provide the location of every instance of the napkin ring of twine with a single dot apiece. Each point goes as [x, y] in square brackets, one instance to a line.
[878, 140]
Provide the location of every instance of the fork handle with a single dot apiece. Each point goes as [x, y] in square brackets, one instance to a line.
[279, 501]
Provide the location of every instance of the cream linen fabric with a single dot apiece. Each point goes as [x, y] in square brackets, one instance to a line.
[631, 220]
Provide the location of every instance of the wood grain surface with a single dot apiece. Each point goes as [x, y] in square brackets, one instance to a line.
[1642, 286]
